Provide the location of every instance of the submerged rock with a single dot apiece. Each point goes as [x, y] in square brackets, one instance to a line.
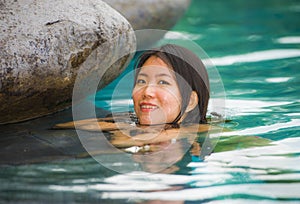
[151, 14]
[33, 141]
[43, 45]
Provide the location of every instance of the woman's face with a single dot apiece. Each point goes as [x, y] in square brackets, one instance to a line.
[156, 96]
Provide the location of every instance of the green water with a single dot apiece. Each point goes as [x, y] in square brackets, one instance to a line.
[256, 49]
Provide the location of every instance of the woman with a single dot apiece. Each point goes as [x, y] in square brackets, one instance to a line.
[171, 92]
[171, 87]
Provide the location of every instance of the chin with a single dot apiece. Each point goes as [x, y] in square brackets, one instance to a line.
[147, 122]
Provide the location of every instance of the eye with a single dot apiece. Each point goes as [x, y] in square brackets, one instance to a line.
[163, 82]
[140, 81]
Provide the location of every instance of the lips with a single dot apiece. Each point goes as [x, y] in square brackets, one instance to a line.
[148, 107]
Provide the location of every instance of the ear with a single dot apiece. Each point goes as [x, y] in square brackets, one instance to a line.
[193, 101]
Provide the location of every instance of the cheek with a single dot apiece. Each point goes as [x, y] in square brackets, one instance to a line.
[170, 100]
[136, 94]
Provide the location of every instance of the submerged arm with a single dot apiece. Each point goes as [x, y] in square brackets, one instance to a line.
[96, 124]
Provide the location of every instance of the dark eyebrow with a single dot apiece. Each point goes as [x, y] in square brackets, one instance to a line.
[162, 75]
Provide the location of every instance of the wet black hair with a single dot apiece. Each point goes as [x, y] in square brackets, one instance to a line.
[191, 75]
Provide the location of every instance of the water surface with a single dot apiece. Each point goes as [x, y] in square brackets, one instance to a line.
[256, 49]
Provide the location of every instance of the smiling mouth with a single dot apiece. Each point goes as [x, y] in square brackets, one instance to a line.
[148, 107]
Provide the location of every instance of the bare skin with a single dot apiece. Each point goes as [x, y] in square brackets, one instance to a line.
[123, 132]
[169, 143]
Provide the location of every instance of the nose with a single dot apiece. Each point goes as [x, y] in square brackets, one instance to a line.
[149, 91]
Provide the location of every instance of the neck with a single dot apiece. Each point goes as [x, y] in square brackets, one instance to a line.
[163, 126]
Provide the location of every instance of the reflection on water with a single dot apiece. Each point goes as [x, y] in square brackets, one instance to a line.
[266, 173]
[256, 56]
[289, 40]
[256, 172]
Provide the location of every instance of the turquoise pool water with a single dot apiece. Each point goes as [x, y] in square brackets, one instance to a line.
[256, 49]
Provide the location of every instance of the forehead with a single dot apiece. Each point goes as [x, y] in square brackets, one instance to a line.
[156, 65]
[154, 60]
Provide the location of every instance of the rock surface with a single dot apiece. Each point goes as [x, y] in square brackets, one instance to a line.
[43, 45]
[150, 14]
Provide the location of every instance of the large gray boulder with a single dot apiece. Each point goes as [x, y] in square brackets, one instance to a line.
[151, 14]
[43, 45]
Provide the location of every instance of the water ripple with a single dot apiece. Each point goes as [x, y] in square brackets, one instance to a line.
[272, 191]
[256, 56]
[259, 172]
[289, 40]
[263, 129]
